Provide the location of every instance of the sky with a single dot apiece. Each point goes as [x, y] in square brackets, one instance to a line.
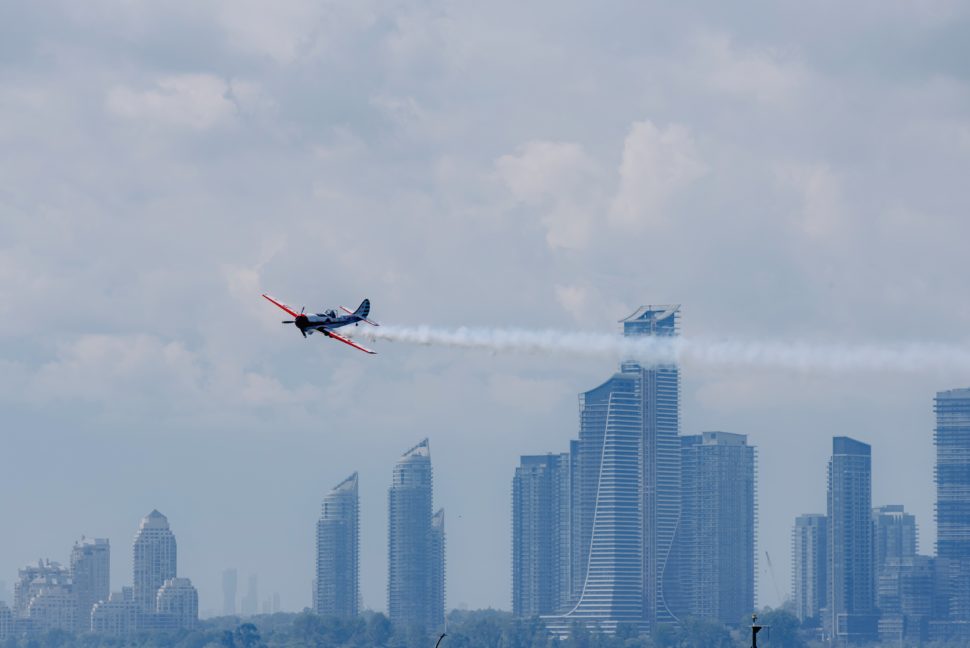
[786, 171]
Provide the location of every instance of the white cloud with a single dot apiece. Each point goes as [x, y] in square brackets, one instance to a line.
[656, 165]
[560, 179]
[195, 101]
[760, 74]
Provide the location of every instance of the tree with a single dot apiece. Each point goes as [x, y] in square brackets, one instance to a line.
[783, 629]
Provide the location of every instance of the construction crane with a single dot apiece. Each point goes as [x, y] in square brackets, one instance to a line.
[774, 581]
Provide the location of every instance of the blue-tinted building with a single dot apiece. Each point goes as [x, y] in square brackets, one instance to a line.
[625, 489]
[852, 607]
[810, 567]
[952, 439]
[337, 590]
[414, 574]
[540, 535]
[712, 576]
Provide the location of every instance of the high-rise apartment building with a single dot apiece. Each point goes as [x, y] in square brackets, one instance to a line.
[337, 589]
[540, 535]
[852, 607]
[411, 559]
[176, 605]
[117, 616]
[91, 576]
[34, 579]
[154, 559]
[714, 553]
[952, 439]
[810, 567]
[625, 489]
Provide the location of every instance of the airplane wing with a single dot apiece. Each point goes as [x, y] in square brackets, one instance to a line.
[341, 338]
[283, 306]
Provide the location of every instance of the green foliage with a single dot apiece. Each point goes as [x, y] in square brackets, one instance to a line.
[783, 630]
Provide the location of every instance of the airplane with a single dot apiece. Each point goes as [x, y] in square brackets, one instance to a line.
[326, 321]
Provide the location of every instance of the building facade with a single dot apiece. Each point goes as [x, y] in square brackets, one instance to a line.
[176, 605]
[410, 599]
[91, 576]
[154, 559]
[117, 616]
[337, 590]
[894, 535]
[715, 548]
[852, 609]
[810, 567]
[436, 585]
[952, 440]
[540, 535]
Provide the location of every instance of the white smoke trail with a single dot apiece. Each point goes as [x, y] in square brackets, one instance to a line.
[800, 356]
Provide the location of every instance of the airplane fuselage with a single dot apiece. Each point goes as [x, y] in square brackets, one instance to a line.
[322, 322]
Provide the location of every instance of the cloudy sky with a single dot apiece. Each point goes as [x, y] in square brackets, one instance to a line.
[785, 171]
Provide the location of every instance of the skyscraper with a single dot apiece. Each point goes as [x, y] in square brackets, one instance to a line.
[952, 439]
[154, 559]
[810, 567]
[91, 574]
[851, 579]
[626, 489]
[436, 585]
[715, 547]
[540, 535]
[411, 559]
[230, 578]
[337, 552]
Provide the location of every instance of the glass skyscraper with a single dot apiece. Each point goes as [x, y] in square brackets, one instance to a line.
[540, 535]
[415, 552]
[337, 592]
[952, 439]
[852, 607]
[625, 489]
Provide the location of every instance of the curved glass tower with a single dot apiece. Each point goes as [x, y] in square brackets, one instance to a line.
[337, 552]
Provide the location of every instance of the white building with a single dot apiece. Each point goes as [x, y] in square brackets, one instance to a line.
[54, 607]
[91, 576]
[177, 604]
[118, 616]
[155, 558]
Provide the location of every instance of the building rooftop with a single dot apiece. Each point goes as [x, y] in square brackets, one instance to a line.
[346, 485]
[423, 449]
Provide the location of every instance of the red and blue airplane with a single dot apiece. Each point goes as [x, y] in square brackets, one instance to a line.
[326, 321]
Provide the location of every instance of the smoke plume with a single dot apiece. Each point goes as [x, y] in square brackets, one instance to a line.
[801, 356]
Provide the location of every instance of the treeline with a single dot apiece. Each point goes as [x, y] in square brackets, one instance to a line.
[466, 629]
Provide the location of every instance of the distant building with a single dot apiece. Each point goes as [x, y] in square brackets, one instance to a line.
[177, 604]
[852, 609]
[337, 590]
[91, 576]
[952, 439]
[540, 535]
[155, 559]
[411, 559]
[53, 607]
[810, 567]
[908, 593]
[894, 535]
[117, 616]
[436, 586]
[229, 581]
[34, 579]
[625, 491]
[715, 549]
[6, 622]
[250, 602]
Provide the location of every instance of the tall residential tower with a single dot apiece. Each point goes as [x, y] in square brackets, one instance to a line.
[337, 589]
[414, 570]
[154, 559]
